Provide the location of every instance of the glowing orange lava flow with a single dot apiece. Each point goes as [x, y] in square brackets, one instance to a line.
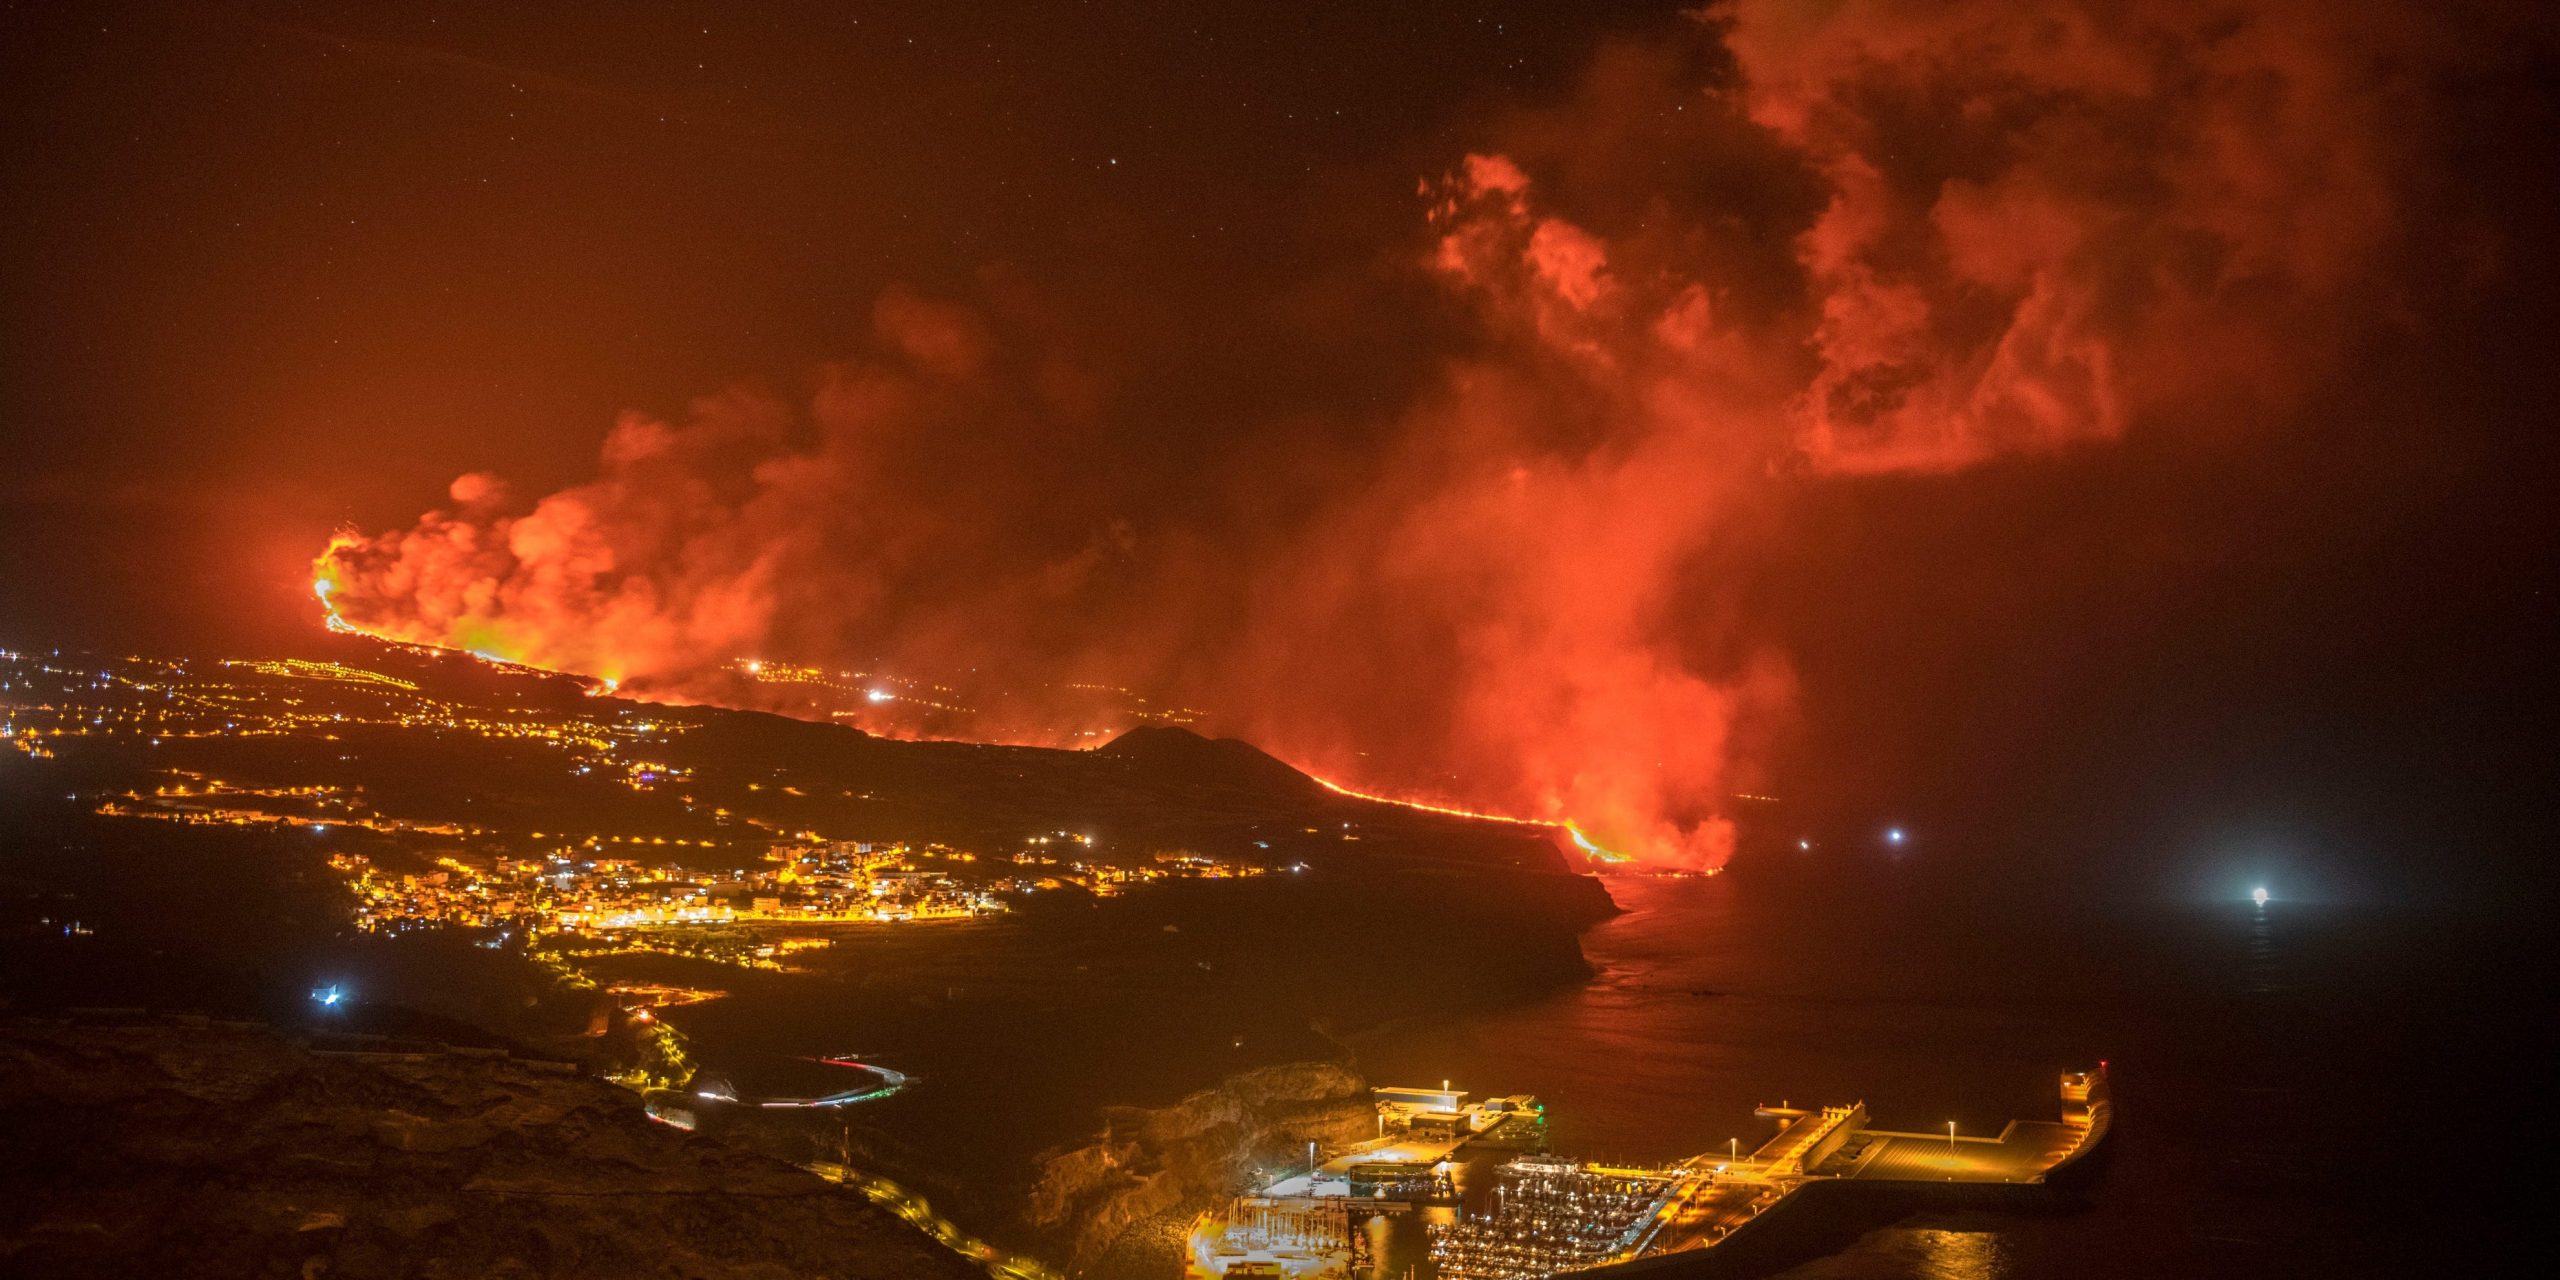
[323, 588]
[1589, 848]
[1595, 852]
[1427, 807]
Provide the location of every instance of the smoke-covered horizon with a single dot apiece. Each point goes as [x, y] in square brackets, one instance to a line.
[1740, 265]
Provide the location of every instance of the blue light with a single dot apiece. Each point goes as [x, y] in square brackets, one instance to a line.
[330, 997]
[1893, 835]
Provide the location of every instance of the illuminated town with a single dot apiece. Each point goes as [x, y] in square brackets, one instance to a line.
[660, 867]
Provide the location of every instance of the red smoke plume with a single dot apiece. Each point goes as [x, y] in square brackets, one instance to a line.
[1796, 241]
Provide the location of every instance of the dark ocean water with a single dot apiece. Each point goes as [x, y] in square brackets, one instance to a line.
[2306, 1090]
[2312, 1089]
[2315, 1089]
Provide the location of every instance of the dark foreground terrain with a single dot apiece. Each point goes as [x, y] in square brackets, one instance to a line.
[186, 1147]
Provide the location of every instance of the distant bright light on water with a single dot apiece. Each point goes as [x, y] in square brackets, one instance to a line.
[2259, 895]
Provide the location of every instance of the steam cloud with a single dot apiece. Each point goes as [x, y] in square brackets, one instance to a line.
[1794, 242]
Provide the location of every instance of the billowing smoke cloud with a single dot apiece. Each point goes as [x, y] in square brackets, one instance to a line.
[1789, 243]
[2046, 224]
[884, 509]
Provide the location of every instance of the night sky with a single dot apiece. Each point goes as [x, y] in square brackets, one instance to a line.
[317, 260]
[2104, 437]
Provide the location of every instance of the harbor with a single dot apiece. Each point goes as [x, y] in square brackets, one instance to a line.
[1466, 1190]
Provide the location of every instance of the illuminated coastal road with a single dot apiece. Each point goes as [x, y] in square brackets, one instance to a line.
[919, 1213]
[888, 1081]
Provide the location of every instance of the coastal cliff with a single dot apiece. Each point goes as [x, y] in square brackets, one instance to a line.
[1150, 1168]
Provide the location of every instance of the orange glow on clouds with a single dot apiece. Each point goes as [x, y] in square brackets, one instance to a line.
[1533, 576]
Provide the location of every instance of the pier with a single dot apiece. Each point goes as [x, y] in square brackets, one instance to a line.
[1718, 1199]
